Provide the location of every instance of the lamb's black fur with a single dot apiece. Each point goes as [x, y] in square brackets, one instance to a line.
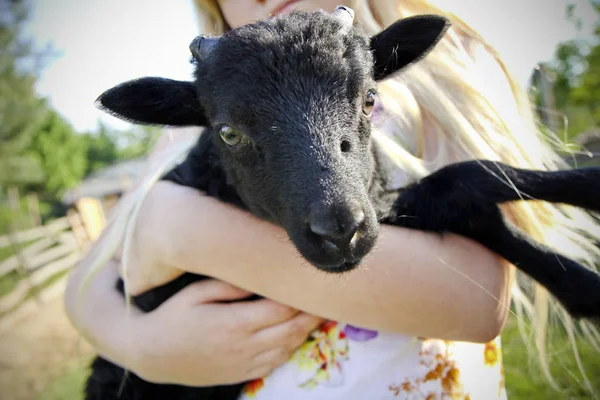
[292, 91]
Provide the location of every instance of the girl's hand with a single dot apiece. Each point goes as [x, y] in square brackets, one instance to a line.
[192, 339]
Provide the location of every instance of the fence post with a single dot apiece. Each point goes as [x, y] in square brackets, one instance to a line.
[22, 269]
[78, 228]
[33, 206]
[92, 215]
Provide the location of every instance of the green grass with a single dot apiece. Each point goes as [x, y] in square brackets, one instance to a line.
[67, 387]
[524, 378]
[5, 252]
[10, 280]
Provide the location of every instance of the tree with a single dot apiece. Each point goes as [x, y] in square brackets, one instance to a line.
[138, 141]
[21, 111]
[102, 149]
[575, 75]
[587, 92]
[62, 153]
[39, 150]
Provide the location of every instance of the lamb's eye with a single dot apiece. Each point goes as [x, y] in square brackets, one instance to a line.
[230, 136]
[369, 103]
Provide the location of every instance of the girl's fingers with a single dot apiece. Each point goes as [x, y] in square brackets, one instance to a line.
[260, 314]
[289, 334]
[272, 358]
[265, 362]
[211, 290]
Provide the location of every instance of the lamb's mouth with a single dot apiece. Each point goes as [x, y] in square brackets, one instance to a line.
[346, 264]
[343, 267]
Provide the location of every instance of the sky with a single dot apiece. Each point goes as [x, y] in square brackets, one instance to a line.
[101, 43]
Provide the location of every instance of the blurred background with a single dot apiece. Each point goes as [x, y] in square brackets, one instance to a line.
[64, 164]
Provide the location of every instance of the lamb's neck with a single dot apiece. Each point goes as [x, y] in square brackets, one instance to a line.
[380, 195]
[202, 170]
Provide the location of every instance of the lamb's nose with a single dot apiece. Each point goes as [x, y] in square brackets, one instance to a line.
[336, 224]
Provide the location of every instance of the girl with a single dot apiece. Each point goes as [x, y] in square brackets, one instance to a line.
[420, 318]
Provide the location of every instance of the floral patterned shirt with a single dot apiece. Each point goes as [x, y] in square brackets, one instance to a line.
[341, 361]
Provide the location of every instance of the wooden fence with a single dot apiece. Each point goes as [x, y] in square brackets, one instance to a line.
[40, 258]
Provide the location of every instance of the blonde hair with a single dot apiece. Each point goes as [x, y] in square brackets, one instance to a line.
[471, 122]
[468, 122]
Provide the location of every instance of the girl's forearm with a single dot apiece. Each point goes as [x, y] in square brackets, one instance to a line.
[101, 316]
[413, 282]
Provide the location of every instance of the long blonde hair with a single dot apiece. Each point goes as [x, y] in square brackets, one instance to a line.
[470, 123]
[473, 123]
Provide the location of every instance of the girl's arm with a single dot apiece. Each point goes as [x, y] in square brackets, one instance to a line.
[191, 339]
[413, 282]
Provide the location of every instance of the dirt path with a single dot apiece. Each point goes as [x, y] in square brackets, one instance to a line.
[37, 350]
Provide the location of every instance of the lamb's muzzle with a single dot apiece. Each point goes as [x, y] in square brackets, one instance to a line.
[345, 14]
[202, 46]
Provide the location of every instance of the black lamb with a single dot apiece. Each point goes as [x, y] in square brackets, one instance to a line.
[286, 105]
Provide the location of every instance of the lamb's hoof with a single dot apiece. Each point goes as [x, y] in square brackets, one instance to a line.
[587, 310]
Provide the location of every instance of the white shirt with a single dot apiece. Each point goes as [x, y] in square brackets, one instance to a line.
[344, 362]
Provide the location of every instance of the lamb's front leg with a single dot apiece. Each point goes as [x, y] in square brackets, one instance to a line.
[576, 287]
[448, 201]
[492, 181]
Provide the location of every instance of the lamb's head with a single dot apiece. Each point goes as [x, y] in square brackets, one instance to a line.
[287, 102]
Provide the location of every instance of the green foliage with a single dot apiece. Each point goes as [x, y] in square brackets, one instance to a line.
[570, 59]
[108, 146]
[62, 154]
[575, 75]
[138, 141]
[39, 150]
[70, 386]
[523, 374]
[102, 149]
[587, 93]
[21, 111]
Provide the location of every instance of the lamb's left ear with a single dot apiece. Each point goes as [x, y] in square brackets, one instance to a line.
[405, 42]
[154, 101]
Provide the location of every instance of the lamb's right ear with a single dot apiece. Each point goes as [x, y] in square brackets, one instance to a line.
[405, 42]
[154, 101]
